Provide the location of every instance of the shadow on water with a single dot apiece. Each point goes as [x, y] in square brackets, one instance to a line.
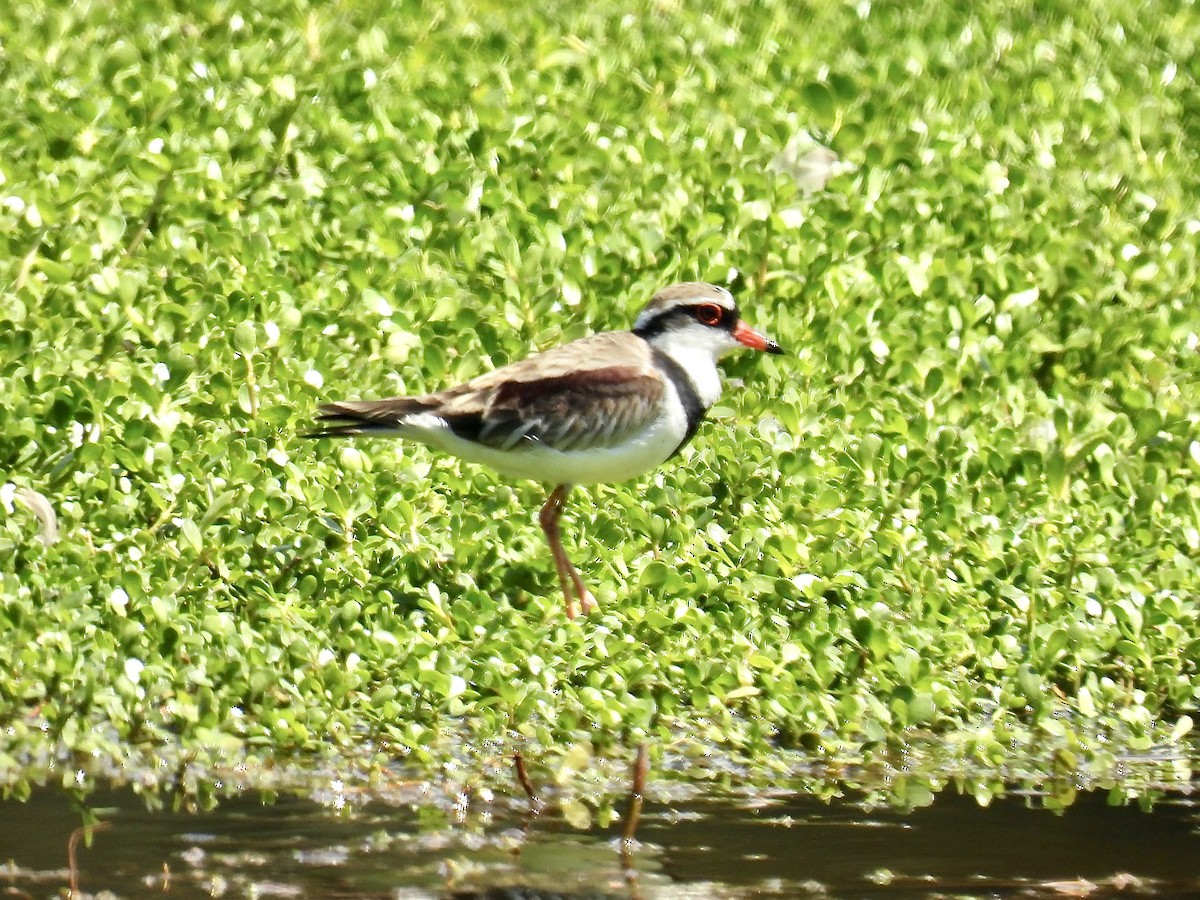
[723, 845]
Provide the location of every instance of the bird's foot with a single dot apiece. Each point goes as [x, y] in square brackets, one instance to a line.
[587, 603]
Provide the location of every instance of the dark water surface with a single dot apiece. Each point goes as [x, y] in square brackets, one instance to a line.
[782, 845]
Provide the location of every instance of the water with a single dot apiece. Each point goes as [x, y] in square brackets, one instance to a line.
[770, 843]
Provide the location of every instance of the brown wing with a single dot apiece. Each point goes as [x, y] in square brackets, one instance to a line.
[595, 392]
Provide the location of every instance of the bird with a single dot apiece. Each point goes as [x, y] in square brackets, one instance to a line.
[602, 409]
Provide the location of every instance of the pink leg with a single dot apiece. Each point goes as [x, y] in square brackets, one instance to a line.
[587, 602]
[572, 584]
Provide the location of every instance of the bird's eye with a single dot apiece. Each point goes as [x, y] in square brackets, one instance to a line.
[709, 314]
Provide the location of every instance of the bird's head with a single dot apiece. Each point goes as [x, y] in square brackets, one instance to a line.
[694, 317]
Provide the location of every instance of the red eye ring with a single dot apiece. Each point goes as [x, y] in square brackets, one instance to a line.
[709, 314]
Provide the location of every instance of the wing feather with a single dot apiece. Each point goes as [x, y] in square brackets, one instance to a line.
[597, 408]
[595, 392]
[592, 393]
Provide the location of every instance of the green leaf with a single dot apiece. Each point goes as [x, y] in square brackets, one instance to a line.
[819, 101]
[191, 535]
[244, 338]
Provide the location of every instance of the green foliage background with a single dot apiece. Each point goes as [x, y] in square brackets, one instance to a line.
[967, 502]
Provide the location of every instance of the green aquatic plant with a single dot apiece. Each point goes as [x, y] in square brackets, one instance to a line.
[967, 504]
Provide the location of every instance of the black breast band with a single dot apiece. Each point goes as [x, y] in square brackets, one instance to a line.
[693, 409]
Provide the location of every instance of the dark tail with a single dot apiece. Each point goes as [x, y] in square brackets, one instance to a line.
[353, 417]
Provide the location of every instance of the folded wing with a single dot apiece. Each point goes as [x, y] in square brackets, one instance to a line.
[593, 393]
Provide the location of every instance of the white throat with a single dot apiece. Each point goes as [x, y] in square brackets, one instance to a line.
[697, 353]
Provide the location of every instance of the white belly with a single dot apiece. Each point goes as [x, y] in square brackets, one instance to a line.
[640, 453]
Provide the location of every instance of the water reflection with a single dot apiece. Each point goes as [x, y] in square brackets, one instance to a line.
[749, 843]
